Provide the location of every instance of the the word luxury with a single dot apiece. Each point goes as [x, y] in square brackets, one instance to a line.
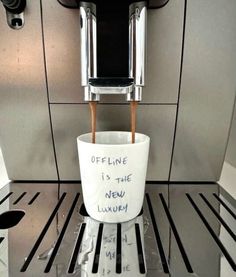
[113, 209]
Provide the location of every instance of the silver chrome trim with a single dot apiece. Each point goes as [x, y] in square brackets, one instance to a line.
[15, 21]
[88, 42]
[135, 95]
[137, 46]
[88, 96]
[111, 90]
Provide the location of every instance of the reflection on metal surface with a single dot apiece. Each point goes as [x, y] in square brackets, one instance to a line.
[226, 226]
[214, 235]
[112, 249]
[42, 234]
[157, 236]
[57, 245]
[47, 253]
[225, 205]
[75, 253]
[15, 21]
[176, 235]
[182, 229]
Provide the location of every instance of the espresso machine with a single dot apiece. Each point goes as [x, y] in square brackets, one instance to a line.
[176, 58]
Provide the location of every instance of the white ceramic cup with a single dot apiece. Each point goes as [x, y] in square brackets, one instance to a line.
[113, 173]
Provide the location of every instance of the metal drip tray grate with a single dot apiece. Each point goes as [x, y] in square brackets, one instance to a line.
[182, 230]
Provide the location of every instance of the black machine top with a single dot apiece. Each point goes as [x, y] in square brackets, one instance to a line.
[152, 4]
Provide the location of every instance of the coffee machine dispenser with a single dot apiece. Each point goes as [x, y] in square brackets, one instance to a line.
[113, 42]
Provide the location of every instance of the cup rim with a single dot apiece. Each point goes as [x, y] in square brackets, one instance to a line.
[147, 139]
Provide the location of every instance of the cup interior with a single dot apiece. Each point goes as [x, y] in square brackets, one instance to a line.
[113, 138]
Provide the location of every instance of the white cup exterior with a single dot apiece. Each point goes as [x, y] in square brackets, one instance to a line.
[113, 174]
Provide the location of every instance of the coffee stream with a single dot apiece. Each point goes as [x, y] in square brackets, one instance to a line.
[133, 107]
[93, 110]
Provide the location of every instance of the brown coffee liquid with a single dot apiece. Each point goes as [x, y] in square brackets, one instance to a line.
[133, 107]
[93, 110]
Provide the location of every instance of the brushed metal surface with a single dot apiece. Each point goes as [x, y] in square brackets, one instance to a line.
[25, 135]
[189, 223]
[164, 40]
[157, 121]
[207, 91]
[205, 256]
[62, 47]
[151, 251]
[231, 148]
[21, 238]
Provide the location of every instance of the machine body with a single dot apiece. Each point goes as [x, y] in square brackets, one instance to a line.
[187, 101]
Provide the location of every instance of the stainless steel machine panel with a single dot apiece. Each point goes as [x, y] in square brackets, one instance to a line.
[187, 222]
[207, 90]
[165, 27]
[164, 44]
[182, 230]
[62, 48]
[69, 121]
[25, 136]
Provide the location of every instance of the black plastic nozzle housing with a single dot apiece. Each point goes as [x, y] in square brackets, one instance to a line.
[14, 6]
[152, 4]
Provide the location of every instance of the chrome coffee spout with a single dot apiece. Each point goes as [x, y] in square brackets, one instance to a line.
[130, 84]
[88, 27]
[137, 49]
